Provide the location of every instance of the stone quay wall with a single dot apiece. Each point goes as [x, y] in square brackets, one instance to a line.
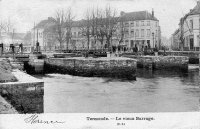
[193, 55]
[162, 62]
[93, 67]
[26, 95]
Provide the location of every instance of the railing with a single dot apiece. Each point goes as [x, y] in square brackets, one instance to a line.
[17, 50]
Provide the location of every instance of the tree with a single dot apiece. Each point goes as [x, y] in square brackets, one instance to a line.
[86, 27]
[68, 25]
[120, 30]
[60, 23]
[7, 26]
[100, 29]
[111, 21]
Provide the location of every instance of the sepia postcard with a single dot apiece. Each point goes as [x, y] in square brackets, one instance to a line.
[99, 64]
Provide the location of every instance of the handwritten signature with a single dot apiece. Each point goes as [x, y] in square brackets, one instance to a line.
[34, 119]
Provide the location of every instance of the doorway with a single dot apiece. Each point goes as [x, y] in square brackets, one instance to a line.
[191, 43]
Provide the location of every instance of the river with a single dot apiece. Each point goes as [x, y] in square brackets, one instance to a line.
[160, 91]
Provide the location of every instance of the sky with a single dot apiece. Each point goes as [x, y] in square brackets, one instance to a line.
[23, 13]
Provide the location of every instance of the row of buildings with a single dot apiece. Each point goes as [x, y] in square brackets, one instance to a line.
[141, 29]
[186, 37]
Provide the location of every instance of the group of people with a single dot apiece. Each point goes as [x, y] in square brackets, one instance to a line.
[11, 48]
[146, 50]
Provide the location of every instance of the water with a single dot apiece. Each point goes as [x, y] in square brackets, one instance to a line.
[160, 91]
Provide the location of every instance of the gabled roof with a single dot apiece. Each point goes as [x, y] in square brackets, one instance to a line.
[196, 9]
[141, 15]
[131, 16]
[45, 23]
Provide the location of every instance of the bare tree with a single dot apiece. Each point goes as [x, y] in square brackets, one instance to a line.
[6, 26]
[111, 21]
[120, 32]
[60, 23]
[68, 25]
[99, 26]
[86, 27]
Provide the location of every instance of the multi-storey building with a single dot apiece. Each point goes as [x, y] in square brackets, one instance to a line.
[189, 27]
[44, 33]
[140, 29]
[176, 40]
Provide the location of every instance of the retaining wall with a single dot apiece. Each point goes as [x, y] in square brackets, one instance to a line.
[162, 62]
[91, 67]
[26, 95]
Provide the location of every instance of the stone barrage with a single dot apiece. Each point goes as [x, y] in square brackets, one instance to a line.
[162, 62]
[93, 67]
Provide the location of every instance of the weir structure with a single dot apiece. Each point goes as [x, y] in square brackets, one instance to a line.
[115, 67]
[162, 62]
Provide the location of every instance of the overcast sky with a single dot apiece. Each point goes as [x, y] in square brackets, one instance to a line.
[23, 13]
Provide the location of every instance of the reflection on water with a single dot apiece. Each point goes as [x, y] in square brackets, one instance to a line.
[160, 91]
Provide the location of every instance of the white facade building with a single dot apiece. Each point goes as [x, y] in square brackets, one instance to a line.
[190, 26]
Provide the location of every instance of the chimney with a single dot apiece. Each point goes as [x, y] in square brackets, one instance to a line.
[152, 13]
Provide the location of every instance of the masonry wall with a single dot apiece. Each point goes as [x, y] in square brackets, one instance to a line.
[90, 67]
[25, 97]
[162, 62]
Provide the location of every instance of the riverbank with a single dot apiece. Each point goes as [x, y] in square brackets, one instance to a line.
[26, 95]
[19, 92]
[6, 108]
[6, 71]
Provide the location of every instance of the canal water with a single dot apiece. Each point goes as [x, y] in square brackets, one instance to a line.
[160, 91]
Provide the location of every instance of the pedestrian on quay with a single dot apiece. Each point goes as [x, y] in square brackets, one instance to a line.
[21, 48]
[1, 48]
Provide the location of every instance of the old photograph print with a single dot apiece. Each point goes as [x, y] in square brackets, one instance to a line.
[99, 56]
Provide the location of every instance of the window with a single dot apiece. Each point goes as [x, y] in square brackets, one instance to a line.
[126, 24]
[148, 32]
[156, 24]
[142, 33]
[132, 23]
[137, 33]
[132, 32]
[126, 31]
[148, 23]
[142, 23]
[137, 23]
[191, 24]
[156, 33]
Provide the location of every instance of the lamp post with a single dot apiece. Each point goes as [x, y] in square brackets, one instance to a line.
[153, 39]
